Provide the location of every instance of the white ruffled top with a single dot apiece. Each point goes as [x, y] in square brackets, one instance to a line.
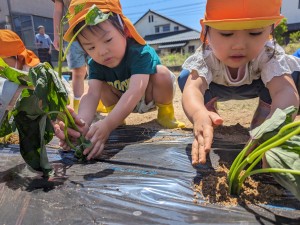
[264, 67]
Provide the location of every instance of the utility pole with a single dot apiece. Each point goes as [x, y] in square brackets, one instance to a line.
[10, 21]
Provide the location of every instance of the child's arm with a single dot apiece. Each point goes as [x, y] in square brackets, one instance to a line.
[90, 101]
[202, 119]
[57, 16]
[283, 93]
[100, 131]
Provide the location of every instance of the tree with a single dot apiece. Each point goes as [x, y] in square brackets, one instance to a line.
[295, 37]
[279, 32]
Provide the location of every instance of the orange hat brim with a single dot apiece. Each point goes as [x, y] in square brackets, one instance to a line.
[242, 24]
[239, 24]
[79, 17]
[30, 58]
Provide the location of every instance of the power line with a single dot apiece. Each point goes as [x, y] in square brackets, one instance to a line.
[135, 6]
[182, 9]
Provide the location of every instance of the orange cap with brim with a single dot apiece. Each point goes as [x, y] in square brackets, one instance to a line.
[12, 45]
[241, 14]
[106, 6]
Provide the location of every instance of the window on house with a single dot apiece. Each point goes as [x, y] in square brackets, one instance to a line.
[299, 4]
[150, 18]
[166, 28]
[156, 29]
[176, 28]
[191, 49]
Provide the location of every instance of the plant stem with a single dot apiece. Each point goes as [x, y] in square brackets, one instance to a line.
[235, 169]
[278, 140]
[285, 133]
[60, 52]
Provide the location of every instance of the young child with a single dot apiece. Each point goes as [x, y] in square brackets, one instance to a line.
[17, 56]
[124, 72]
[238, 60]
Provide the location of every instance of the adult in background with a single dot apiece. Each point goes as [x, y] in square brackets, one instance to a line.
[44, 45]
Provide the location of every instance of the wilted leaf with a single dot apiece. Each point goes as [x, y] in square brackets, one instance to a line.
[95, 16]
[14, 75]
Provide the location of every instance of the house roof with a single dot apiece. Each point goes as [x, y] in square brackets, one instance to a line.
[172, 45]
[171, 38]
[293, 27]
[179, 37]
[163, 35]
[151, 11]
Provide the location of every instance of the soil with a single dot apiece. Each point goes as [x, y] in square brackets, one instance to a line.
[214, 189]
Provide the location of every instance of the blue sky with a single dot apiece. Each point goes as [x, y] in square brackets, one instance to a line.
[187, 12]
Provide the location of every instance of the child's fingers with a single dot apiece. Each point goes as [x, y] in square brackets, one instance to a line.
[99, 153]
[195, 153]
[57, 131]
[64, 145]
[208, 133]
[201, 149]
[96, 151]
[78, 121]
[216, 119]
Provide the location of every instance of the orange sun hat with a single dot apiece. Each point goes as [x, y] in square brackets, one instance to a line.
[105, 6]
[12, 45]
[241, 14]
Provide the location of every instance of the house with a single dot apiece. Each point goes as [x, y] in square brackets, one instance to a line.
[291, 10]
[24, 16]
[166, 35]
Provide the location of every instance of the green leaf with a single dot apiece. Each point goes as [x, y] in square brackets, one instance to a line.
[31, 141]
[49, 89]
[6, 127]
[286, 159]
[78, 8]
[14, 75]
[279, 118]
[95, 16]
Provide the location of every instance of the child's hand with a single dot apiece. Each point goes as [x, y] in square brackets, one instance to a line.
[203, 131]
[72, 134]
[98, 135]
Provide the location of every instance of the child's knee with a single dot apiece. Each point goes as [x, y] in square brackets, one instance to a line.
[163, 76]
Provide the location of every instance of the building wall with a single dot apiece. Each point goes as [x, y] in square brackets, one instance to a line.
[3, 11]
[146, 27]
[291, 10]
[32, 7]
[193, 44]
[35, 7]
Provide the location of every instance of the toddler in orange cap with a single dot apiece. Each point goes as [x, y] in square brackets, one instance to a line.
[237, 60]
[14, 53]
[124, 72]
[17, 56]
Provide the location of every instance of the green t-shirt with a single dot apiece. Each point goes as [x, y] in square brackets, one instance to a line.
[138, 59]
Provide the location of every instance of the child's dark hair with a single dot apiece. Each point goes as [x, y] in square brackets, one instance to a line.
[204, 39]
[204, 45]
[114, 19]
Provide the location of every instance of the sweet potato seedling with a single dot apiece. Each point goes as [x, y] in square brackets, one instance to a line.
[278, 140]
